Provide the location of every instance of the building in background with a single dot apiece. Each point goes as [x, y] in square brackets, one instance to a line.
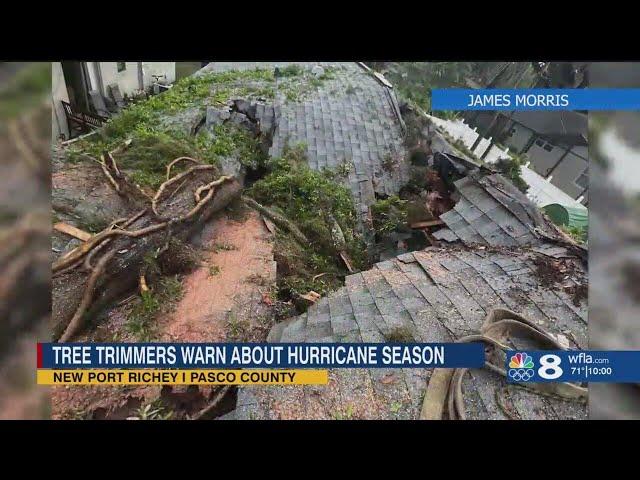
[555, 143]
[85, 93]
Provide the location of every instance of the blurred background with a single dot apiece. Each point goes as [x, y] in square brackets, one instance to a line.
[614, 238]
[25, 230]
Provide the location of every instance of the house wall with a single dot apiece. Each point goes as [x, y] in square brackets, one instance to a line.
[542, 160]
[567, 172]
[58, 94]
[517, 137]
[158, 68]
[129, 79]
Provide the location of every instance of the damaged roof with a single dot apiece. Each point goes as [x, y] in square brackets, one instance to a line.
[433, 295]
[491, 211]
[349, 122]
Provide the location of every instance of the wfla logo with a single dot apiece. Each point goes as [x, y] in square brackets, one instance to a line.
[521, 367]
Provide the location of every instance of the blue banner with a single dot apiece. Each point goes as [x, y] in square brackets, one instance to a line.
[611, 366]
[536, 99]
[259, 355]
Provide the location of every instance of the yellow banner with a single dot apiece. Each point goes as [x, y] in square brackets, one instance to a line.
[182, 377]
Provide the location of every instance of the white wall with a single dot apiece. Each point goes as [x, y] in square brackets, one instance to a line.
[127, 80]
[158, 68]
[58, 93]
[542, 192]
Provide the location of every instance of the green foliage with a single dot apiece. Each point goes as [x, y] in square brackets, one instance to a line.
[414, 80]
[153, 411]
[145, 160]
[140, 317]
[579, 234]
[214, 270]
[309, 199]
[304, 195]
[296, 87]
[291, 71]
[232, 139]
[510, 168]
[237, 328]
[389, 214]
[151, 304]
[142, 120]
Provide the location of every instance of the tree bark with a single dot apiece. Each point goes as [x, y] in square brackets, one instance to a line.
[122, 271]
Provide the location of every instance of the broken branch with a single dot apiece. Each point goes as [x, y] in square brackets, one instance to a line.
[72, 231]
[278, 219]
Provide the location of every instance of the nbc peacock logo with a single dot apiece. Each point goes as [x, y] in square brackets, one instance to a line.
[521, 367]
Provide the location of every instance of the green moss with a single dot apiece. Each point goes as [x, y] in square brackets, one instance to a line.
[389, 214]
[399, 335]
[295, 88]
[94, 224]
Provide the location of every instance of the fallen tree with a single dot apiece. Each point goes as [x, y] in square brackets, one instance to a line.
[107, 265]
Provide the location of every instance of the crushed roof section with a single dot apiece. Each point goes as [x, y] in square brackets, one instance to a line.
[491, 211]
[437, 295]
[349, 122]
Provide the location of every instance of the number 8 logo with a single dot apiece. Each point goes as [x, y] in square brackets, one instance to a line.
[550, 363]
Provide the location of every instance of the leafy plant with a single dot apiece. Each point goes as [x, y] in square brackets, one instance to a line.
[511, 169]
[389, 214]
[140, 318]
[312, 200]
[152, 411]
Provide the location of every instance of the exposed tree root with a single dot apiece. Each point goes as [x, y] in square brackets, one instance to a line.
[209, 408]
[82, 250]
[76, 321]
[84, 254]
[171, 181]
[177, 160]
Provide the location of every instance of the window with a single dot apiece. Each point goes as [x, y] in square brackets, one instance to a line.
[547, 146]
[122, 66]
